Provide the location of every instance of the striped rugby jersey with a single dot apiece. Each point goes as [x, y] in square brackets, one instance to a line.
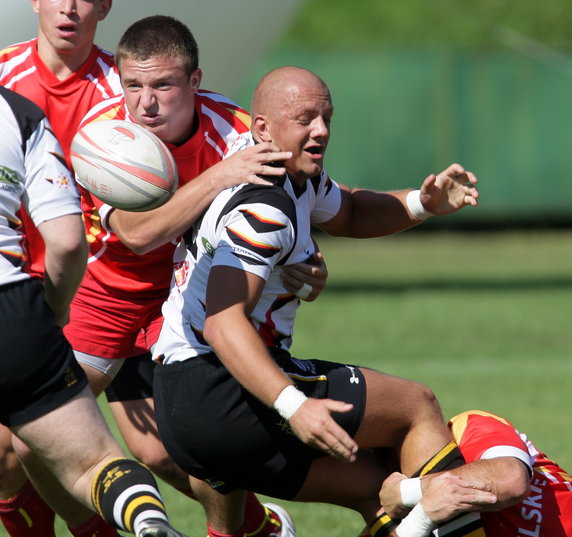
[64, 102]
[257, 229]
[32, 173]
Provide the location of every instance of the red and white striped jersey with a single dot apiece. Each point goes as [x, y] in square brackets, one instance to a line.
[254, 229]
[222, 126]
[32, 174]
[547, 512]
[64, 102]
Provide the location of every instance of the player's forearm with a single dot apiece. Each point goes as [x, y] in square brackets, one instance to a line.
[143, 232]
[240, 349]
[508, 476]
[367, 214]
[65, 261]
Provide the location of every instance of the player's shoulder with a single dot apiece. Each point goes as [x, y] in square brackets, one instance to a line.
[26, 113]
[215, 104]
[254, 197]
[105, 55]
[112, 108]
[15, 49]
[472, 420]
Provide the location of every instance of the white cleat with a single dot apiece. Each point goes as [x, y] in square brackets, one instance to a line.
[156, 527]
[287, 528]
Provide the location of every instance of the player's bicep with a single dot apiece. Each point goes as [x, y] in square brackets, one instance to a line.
[339, 224]
[232, 288]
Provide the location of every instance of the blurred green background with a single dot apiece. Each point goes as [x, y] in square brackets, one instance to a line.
[418, 85]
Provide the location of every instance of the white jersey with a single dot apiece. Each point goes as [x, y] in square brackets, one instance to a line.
[32, 173]
[257, 229]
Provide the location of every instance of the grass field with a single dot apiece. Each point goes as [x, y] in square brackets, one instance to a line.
[484, 319]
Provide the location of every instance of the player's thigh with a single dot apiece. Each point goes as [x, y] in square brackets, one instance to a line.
[393, 406]
[135, 420]
[72, 439]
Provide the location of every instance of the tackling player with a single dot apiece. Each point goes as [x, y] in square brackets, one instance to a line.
[534, 495]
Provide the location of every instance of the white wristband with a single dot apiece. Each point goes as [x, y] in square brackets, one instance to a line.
[411, 493]
[288, 401]
[415, 207]
[304, 291]
[415, 524]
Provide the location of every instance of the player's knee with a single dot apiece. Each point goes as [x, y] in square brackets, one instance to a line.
[155, 457]
[424, 401]
[21, 450]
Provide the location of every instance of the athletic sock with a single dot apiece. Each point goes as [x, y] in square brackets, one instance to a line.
[211, 532]
[382, 526]
[259, 520]
[447, 458]
[94, 527]
[465, 524]
[125, 493]
[27, 515]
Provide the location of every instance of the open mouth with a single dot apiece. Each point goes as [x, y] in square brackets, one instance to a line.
[314, 150]
[67, 29]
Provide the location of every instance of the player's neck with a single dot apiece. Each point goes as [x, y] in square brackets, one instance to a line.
[62, 63]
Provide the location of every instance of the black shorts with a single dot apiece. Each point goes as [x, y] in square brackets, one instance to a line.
[133, 381]
[217, 431]
[38, 371]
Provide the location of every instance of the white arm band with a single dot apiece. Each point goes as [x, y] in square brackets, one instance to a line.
[415, 207]
[410, 491]
[415, 524]
[288, 401]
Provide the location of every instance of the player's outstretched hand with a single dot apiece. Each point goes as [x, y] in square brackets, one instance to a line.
[313, 424]
[449, 191]
[306, 280]
[251, 165]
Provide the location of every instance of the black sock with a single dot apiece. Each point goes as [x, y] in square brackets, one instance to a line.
[127, 488]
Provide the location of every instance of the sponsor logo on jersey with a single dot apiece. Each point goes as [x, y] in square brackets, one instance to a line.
[9, 179]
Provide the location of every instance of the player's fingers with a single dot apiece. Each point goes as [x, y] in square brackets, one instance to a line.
[340, 446]
[482, 497]
[277, 156]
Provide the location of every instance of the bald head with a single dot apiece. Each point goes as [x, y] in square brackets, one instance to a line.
[281, 86]
[292, 108]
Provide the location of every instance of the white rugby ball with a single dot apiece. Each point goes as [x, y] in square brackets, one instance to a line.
[124, 165]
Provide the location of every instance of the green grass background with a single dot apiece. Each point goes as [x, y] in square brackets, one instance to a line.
[482, 318]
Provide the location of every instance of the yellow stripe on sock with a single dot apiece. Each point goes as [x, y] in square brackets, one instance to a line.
[137, 502]
[438, 458]
[26, 517]
[379, 523]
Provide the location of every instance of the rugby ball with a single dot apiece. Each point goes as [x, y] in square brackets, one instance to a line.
[124, 165]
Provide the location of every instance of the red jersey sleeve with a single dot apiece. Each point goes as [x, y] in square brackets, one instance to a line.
[482, 435]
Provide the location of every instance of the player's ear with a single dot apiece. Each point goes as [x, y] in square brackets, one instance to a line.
[195, 79]
[260, 128]
[35, 6]
[104, 8]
